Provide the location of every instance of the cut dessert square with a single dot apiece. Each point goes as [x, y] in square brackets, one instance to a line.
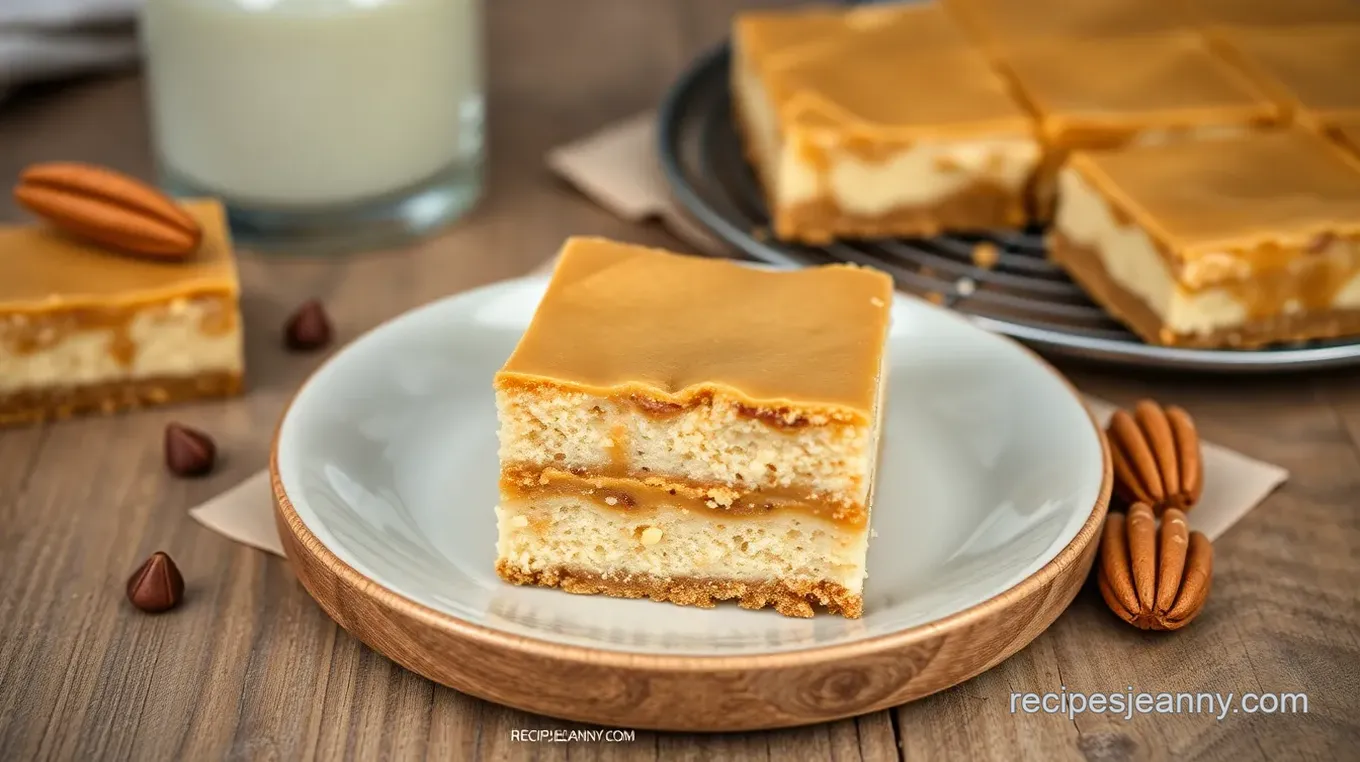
[83, 329]
[1234, 243]
[1138, 90]
[877, 123]
[1002, 24]
[1309, 70]
[693, 430]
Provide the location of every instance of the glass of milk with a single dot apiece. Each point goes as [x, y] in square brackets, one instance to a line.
[321, 124]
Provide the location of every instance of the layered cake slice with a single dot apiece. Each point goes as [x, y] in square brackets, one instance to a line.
[1233, 243]
[877, 122]
[692, 430]
[83, 329]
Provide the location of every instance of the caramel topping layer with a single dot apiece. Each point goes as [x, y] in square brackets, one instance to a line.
[1163, 80]
[655, 493]
[760, 35]
[620, 320]
[772, 37]
[1006, 23]
[900, 71]
[1310, 68]
[42, 269]
[1259, 201]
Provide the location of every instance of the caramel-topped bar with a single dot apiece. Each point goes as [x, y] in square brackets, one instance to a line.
[1237, 242]
[694, 430]
[1103, 94]
[86, 329]
[879, 121]
[653, 493]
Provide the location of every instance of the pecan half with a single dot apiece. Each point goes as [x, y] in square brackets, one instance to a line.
[1156, 457]
[108, 208]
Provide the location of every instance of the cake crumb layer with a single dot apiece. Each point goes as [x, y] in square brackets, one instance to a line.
[792, 598]
[58, 403]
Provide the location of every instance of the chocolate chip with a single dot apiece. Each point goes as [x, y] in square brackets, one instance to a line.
[188, 452]
[156, 586]
[308, 328]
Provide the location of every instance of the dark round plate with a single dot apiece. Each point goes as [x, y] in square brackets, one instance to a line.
[1022, 295]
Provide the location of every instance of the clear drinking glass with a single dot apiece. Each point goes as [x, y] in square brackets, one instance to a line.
[321, 124]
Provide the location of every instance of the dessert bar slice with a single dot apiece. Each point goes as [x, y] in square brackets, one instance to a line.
[1114, 92]
[1233, 243]
[693, 430]
[873, 122]
[83, 329]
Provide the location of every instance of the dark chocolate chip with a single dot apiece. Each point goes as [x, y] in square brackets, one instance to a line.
[188, 452]
[308, 328]
[156, 586]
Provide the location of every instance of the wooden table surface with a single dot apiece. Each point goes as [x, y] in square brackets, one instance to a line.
[250, 668]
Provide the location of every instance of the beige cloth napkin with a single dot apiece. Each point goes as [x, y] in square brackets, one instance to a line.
[618, 169]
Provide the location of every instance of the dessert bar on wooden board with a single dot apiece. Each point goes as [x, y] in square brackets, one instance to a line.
[919, 118]
[86, 329]
[714, 439]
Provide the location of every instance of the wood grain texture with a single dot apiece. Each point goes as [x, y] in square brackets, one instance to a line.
[252, 669]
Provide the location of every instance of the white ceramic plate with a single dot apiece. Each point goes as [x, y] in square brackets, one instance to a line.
[990, 468]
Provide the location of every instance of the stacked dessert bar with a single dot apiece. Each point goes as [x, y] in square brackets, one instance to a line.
[692, 430]
[85, 329]
[1115, 121]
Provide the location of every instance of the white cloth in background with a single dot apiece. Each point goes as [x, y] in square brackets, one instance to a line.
[50, 39]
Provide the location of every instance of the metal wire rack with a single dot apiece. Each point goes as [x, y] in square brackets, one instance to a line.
[1001, 280]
